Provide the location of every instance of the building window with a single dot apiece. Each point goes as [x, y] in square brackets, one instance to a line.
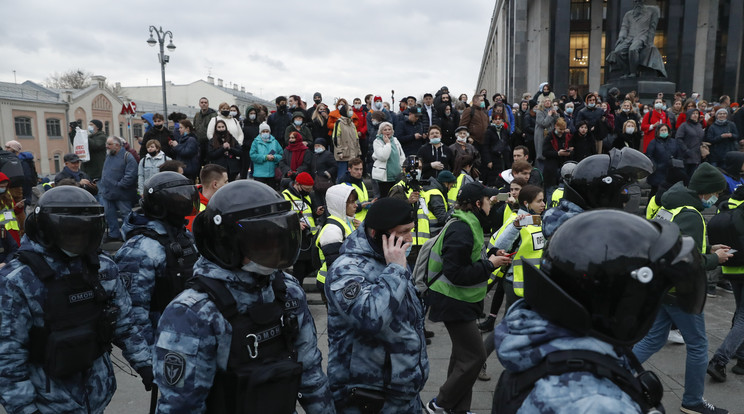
[579, 60]
[57, 164]
[581, 10]
[137, 130]
[106, 127]
[53, 127]
[121, 129]
[23, 126]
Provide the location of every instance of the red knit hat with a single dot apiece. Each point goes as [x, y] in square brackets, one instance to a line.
[377, 98]
[3, 177]
[302, 178]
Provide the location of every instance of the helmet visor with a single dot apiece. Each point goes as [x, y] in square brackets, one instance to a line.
[688, 276]
[631, 163]
[77, 231]
[182, 200]
[272, 241]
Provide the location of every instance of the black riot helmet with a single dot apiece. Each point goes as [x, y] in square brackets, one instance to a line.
[169, 196]
[601, 180]
[604, 272]
[67, 218]
[246, 218]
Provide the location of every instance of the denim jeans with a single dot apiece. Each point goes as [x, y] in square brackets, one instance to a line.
[733, 344]
[113, 210]
[342, 167]
[692, 328]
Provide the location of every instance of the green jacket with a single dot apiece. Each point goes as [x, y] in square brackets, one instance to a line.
[201, 122]
[97, 149]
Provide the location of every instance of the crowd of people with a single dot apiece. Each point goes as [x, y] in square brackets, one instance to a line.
[397, 216]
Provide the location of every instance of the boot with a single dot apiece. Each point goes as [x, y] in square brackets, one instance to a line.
[487, 325]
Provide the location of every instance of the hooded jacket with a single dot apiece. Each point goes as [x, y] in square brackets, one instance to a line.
[148, 167]
[24, 385]
[193, 327]
[732, 167]
[331, 238]
[187, 151]
[525, 338]
[374, 316]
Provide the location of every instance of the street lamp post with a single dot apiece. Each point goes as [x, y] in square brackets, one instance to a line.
[162, 56]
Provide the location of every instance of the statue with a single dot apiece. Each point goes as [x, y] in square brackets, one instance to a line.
[635, 51]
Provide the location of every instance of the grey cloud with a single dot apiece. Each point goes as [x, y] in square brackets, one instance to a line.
[274, 63]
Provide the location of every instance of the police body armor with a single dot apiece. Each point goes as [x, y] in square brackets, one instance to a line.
[263, 374]
[180, 256]
[78, 319]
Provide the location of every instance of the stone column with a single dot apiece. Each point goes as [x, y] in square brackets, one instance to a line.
[595, 45]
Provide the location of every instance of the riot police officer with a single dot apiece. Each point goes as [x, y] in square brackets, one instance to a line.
[159, 254]
[63, 305]
[242, 338]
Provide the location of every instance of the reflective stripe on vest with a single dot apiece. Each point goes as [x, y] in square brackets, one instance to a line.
[362, 197]
[427, 197]
[452, 193]
[303, 207]
[556, 197]
[421, 232]
[530, 251]
[499, 272]
[8, 219]
[732, 270]
[652, 208]
[323, 271]
[669, 215]
[470, 293]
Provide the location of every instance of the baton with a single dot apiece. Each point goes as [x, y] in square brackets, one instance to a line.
[153, 399]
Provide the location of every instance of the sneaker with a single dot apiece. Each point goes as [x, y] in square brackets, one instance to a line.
[675, 337]
[738, 369]
[711, 291]
[725, 285]
[703, 408]
[483, 375]
[717, 370]
[428, 334]
[433, 408]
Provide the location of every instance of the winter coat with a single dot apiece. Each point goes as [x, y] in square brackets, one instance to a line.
[496, 147]
[148, 167]
[528, 127]
[477, 122]
[543, 124]
[429, 153]
[30, 177]
[304, 130]
[374, 315]
[119, 179]
[406, 132]
[332, 236]
[732, 163]
[233, 127]
[163, 135]
[459, 151]
[661, 152]
[592, 116]
[525, 338]
[584, 146]
[553, 161]
[201, 122]
[650, 119]
[97, 156]
[262, 167]
[719, 145]
[250, 132]
[24, 385]
[278, 122]
[334, 116]
[449, 124]
[324, 164]
[228, 158]
[691, 134]
[345, 140]
[381, 154]
[187, 151]
[192, 326]
[286, 161]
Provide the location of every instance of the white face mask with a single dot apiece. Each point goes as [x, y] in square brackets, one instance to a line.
[629, 130]
[357, 106]
[256, 268]
[461, 139]
[378, 105]
[233, 113]
[252, 117]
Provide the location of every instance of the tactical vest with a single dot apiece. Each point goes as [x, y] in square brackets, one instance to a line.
[473, 293]
[362, 197]
[303, 207]
[530, 251]
[180, 256]
[262, 374]
[556, 197]
[345, 230]
[78, 319]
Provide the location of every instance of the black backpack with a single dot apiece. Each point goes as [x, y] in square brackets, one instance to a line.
[727, 227]
[262, 374]
[645, 389]
[11, 166]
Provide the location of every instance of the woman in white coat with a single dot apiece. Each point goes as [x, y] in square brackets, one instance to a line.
[231, 121]
[388, 156]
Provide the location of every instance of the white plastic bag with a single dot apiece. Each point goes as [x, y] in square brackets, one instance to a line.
[80, 144]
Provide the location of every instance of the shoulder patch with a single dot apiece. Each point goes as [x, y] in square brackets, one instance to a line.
[174, 366]
[352, 290]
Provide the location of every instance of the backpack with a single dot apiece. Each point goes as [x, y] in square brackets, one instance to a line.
[11, 166]
[262, 374]
[315, 251]
[645, 389]
[421, 268]
[727, 227]
[28, 158]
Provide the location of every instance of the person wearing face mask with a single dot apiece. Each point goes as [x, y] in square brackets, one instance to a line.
[375, 316]
[231, 122]
[665, 152]
[266, 153]
[298, 125]
[281, 119]
[96, 148]
[377, 106]
[388, 157]
[343, 110]
[476, 119]
[250, 132]
[344, 135]
[150, 165]
[296, 104]
[323, 167]
[449, 122]
[159, 132]
[317, 100]
[652, 121]
[683, 206]
[434, 155]
[557, 149]
[593, 115]
[496, 149]
[692, 135]
[246, 235]
[296, 159]
[625, 114]
[411, 131]
[319, 123]
[225, 150]
[360, 123]
[462, 147]
[545, 118]
[304, 202]
[456, 295]
[629, 135]
[722, 136]
[569, 116]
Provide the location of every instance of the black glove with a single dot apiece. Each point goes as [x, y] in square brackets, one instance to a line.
[147, 376]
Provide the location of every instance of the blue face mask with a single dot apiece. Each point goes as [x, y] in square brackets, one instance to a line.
[569, 110]
[408, 250]
[591, 105]
[435, 141]
[482, 104]
[298, 122]
[710, 202]
[319, 150]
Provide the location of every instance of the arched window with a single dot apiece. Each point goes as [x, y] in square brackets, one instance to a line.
[57, 163]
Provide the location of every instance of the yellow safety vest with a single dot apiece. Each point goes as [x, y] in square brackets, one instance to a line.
[427, 197]
[669, 215]
[499, 272]
[303, 207]
[323, 272]
[652, 208]
[556, 197]
[530, 251]
[8, 218]
[362, 197]
[508, 213]
[421, 231]
[452, 193]
[732, 270]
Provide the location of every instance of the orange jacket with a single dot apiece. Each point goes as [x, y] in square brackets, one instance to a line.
[334, 116]
[203, 201]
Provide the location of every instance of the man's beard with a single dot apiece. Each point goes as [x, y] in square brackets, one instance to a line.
[112, 152]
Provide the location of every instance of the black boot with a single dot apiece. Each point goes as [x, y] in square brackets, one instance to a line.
[487, 325]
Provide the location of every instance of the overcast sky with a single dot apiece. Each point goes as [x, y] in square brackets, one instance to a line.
[340, 48]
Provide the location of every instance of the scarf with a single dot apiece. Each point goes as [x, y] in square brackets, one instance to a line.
[75, 175]
[297, 149]
[392, 164]
[554, 141]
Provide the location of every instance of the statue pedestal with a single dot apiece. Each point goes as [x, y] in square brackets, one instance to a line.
[646, 88]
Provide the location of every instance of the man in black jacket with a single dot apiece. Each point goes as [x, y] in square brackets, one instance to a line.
[279, 120]
[160, 132]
